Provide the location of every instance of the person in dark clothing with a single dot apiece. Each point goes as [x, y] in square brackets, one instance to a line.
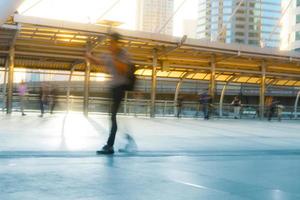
[43, 96]
[236, 106]
[205, 100]
[179, 106]
[52, 99]
[117, 63]
[271, 104]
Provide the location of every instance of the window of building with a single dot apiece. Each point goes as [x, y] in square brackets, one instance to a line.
[240, 12]
[254, 42]
[297, 19]
[253, 34]
[298, 49]
[240, 19]
[227, 3]
[298, 3]
[239, 41]
[297, 35]
[239, 33]
[240, 26]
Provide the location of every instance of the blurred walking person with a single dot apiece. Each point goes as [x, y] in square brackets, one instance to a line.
[205, 101]
[43, 99]
[271, 106]
[236, 107]
[179, 106]
[279, 111]
[118, 64]
[22, 89]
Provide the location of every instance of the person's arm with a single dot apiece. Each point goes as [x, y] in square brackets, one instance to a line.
[93, 59]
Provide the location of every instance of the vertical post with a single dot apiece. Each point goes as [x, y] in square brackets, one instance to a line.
[153, 85]
[178, 86]
[176, 96]
[4, 84]
[222, 100]
[212, 85]
[262, 91]
[11, 58]
[86, 88]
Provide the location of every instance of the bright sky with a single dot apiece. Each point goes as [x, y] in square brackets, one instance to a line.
[89, 11]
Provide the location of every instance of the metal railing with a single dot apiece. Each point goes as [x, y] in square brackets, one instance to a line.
[141, 107]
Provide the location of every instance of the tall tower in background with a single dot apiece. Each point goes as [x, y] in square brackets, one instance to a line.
[252, 24]
[153, 14]
[290, 35]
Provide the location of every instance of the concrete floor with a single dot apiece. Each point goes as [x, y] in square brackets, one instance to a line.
[54, 158]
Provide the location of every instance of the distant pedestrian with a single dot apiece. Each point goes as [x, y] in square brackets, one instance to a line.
[22, 89]
[179, 106]
[236, 107]
[119, 65]
[279, 111]
[271, 104]
[43, 96]
[205, 101]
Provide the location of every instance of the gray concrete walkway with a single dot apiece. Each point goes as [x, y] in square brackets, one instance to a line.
[53, 158]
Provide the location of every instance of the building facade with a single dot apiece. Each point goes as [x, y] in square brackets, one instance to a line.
[152, 15]
[290, 35]
[253, 22]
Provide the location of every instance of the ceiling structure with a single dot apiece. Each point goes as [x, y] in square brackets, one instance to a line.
[48, 44]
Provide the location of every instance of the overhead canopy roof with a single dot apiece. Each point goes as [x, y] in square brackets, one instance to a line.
[59, 45]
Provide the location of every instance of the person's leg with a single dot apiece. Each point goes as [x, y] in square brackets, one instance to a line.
[205, 111]
[209, 111]
[42, 107]
[270, 114]
[52, 106]
[117, 95]
[178, 111]
[234, 112]
[22, 104]
[238, 112]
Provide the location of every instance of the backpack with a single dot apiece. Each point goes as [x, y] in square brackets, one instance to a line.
[131, 78]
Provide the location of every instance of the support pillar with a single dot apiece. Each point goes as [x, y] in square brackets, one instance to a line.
[296, 105]
[212, 83]
[262, 91]
[4, 84]
[86, 88]
[153, 85]
[178, 86]
[10, 84]
[223, 94]
[222, 99]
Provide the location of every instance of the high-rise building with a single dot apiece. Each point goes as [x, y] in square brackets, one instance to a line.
[290, 35]
[253, 22]
[152, 15]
